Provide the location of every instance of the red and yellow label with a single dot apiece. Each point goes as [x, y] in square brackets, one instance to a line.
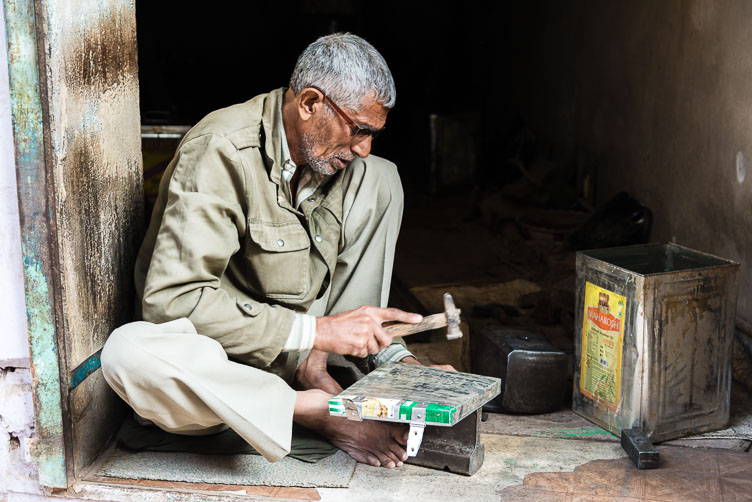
[602, 339]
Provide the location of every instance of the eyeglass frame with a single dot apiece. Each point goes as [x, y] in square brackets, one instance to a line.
[355, 129]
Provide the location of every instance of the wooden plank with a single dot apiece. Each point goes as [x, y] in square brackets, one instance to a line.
[283, 492]
[93, 154]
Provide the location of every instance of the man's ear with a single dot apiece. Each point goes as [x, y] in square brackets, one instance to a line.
[310, 102]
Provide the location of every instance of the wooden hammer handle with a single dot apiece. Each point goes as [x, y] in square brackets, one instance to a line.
[430, 322]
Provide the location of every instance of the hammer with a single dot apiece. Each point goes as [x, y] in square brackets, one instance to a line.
[449, 318]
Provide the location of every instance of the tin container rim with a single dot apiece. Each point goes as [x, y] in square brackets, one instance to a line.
[724, 262]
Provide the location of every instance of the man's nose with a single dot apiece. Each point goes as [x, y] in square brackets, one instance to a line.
[362, 146]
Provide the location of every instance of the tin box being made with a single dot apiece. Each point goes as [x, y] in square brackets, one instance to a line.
[653, 336]
[409, 393]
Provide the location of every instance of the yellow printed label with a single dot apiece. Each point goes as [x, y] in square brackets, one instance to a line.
[602, 338]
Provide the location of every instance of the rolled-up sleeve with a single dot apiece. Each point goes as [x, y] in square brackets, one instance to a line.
[203, 224]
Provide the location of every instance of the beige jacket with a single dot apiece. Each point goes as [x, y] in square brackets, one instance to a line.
[225, 248]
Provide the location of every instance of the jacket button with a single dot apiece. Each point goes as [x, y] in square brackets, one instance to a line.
[247, 306]
[319, 238]
[280, 242]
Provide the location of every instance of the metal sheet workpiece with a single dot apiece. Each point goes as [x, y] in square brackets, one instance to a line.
[421, 396]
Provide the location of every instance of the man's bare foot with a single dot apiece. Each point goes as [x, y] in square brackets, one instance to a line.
[369, 442]
[312, 374]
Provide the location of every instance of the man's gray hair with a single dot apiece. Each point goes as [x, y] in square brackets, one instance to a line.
[347, 69]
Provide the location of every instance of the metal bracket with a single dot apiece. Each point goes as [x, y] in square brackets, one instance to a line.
[417, 426]
[352, 409]
[415, 439]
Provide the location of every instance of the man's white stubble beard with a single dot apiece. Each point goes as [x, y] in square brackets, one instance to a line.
[319, 164]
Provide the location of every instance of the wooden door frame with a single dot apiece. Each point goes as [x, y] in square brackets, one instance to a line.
[31, 28]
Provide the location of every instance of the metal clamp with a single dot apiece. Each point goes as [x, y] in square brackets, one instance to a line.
[352, 409]
[417, 427]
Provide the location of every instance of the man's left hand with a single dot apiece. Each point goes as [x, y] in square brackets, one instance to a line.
[412, 360]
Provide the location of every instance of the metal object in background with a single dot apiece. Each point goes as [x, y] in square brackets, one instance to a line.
[455, 449]
[639, 448]
[654, 340]
[623, 220]
[534, 373]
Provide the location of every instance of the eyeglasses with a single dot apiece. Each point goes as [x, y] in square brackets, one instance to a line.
[356, 131]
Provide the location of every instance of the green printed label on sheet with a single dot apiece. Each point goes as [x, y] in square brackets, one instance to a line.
[439, 413]
[406, 410]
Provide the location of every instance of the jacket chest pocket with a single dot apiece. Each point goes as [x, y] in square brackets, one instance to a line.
[278, 258]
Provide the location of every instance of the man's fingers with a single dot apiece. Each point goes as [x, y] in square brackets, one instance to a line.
[373, 346]
[392, 314]
[383, 338]
[448, 367]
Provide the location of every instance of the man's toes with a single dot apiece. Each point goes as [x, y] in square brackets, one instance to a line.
[387, 461]
[401, 434]
[364, 457]
[399, 452]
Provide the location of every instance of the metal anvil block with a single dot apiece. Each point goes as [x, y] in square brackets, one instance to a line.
[534, 374]
[455, 449]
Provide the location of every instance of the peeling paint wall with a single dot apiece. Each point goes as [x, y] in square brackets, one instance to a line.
[74, 101]
[658, 96]
[39, 251]
[17, 472]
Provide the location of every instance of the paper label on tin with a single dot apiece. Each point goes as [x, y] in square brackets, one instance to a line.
[381, 408]
[392, 409]
[602, 339]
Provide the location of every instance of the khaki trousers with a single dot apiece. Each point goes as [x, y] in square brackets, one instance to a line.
[184, 382]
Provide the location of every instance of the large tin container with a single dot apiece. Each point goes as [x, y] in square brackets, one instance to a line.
[653, 338]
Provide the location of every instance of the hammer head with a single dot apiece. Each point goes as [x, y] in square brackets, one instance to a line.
[453, 318]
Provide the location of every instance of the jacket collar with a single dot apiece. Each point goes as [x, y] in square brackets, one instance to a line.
[271, 120]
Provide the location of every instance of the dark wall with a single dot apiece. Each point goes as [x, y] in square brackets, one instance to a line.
[446, 57]
[657, 95]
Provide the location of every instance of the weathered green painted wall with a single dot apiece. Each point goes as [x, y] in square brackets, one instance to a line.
[38, 242]
[74, 95]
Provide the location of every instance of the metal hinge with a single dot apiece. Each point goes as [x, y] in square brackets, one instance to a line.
[417, 427]
[352, 409]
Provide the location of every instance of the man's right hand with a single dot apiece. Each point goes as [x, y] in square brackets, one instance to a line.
[358, 332]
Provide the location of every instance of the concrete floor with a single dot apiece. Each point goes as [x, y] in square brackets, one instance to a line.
[508, 460]
[525, 466]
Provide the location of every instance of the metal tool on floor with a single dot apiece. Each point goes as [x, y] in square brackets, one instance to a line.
[449, 318]
[421, 396]
[639, 448]
[534, 374]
